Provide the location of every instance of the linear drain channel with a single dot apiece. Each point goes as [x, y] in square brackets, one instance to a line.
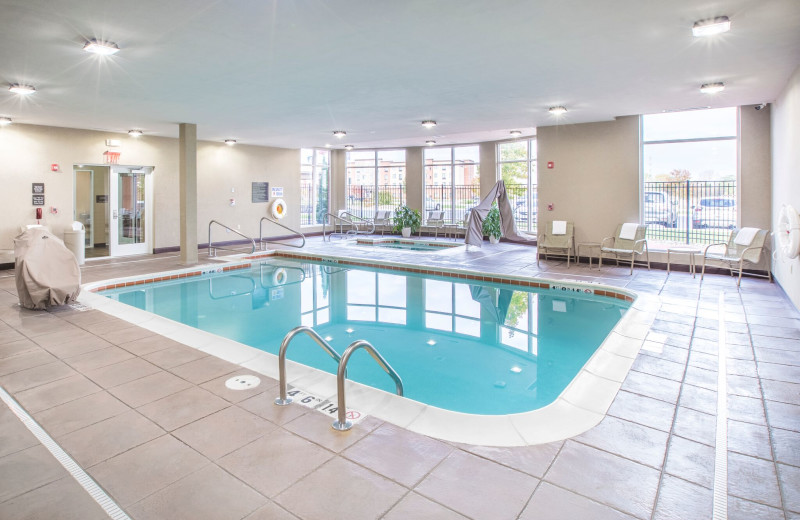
[91, 487]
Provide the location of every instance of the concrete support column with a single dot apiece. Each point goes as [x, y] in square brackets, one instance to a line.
[488, 166]
[187, 168]
[415, 173]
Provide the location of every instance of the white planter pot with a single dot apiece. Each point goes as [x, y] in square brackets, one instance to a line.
[406, 232]
[493, 240]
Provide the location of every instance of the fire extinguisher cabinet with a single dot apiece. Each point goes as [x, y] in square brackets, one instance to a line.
[75, 240]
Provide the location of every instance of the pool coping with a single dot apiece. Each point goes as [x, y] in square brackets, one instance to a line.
[581, 406]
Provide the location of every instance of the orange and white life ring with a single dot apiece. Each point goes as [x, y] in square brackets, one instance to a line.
[789, 231]
[279, 276]
[279, 208]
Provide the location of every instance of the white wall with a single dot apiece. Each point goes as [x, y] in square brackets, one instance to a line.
[28, 151]
[786, 175]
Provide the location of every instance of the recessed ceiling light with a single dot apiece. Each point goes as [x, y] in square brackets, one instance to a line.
[515, 133]
[135, 133]
[429, 123]
[339, 133]
[100, 47]
[5, 121]
[348, 147]
[22, 90]
[557, 111]
[328, 145]
[712, 88]
[230, 142]
[711, 26]
[430, 142]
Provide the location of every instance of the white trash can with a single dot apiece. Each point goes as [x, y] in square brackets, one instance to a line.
[75, 240]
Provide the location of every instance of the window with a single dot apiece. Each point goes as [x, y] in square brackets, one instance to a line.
[450, 307]
[516, 166]
[452, 180]
[366, 191]
[689, 171]
[314, 177]
[377, 297]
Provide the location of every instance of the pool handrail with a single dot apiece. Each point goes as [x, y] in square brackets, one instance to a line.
[283, 400]
[342, 424]
[212, 251]
[354, 221]
[262, 241]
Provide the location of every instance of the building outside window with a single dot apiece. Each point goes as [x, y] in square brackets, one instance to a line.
[314, 179]
[376, 180]
[452, 180]
[516, 166]
[689, 173]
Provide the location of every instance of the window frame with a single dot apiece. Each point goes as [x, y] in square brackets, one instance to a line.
[315, 169]
[532, 194]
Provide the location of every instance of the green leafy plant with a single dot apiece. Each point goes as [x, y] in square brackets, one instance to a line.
[405, 217]
[491, 224]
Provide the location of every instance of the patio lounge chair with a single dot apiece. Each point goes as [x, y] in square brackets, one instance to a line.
[628, 240]
[744, 245]
[434, 221]
[383, 220]
[558, 238]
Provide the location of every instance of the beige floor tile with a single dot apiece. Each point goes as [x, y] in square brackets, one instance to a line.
[739, 509]
[630, 440]
[53, 339]
[108, 438]
[270, 511]
[149, 388]
[691, 461]
[32, 377]
[58, 392]
[781, 391]
[148, 345]
[410, 458]
[652, 386]
[208, 493]
[681, 500]
[789, 478]
[141, 471]
[204, 369]
[787, 446]
[79, 413]
[274, 462]
[749, 439]
[125, 335]
[316, 427]
[553, 503]
[264, 406]
[606, 478]
[224, 431]
[699, 399]
[76, 347]
[509, 489]
[643, 410]
[533, 460]
[15, 347]
[63, 499]
[320, 495]
[417, 506]
[182, 408]
[122, 372]
[98, 359]
[14, 435]
[25, 360]
[755, 479]
[173, 356]
[698, 426]
[26, 470]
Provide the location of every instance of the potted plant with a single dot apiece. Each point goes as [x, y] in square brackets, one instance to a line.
[406, 220]
[491, 225]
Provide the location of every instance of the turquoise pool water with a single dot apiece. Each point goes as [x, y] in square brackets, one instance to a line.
[479, 348]
[408, 246]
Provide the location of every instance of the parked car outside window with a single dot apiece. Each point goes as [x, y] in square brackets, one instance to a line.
[659, 208]
[718, 212]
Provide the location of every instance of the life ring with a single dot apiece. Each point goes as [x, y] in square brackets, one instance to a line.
[279, 276]
[789, 231]
[279, 208]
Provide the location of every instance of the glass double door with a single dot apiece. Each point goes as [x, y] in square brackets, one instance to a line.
[130, 227]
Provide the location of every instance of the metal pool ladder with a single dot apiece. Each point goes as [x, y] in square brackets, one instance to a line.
[342, 424]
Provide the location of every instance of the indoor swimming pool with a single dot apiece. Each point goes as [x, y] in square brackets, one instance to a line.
[470, 346]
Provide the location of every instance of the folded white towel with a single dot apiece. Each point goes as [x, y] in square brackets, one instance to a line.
[745, 236]
[559, 227]
[628, 231]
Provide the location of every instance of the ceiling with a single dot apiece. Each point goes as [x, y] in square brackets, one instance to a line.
[287, 73]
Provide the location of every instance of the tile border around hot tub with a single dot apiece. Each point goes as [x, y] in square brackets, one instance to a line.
[581, 405]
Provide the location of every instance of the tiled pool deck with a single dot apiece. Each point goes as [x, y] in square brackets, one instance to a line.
[152, 422]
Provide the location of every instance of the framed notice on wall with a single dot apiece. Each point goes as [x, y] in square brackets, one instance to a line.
[37, 187]
[38, 200]
[260, 192]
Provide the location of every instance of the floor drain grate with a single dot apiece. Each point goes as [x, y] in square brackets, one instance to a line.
[245, 382]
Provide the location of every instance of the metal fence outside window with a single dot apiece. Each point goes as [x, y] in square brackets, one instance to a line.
[454, 200]
[690, 212]
[360, 198]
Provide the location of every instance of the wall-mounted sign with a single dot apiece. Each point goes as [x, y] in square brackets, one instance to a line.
[101, 199]
[38, 200]
[37, 187]
[276, 192]
[260, 192]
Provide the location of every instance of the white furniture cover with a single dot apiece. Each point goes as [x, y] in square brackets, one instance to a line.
[47, 273]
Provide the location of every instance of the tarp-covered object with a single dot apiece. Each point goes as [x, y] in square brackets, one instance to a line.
[47, 273]
[507, 224]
